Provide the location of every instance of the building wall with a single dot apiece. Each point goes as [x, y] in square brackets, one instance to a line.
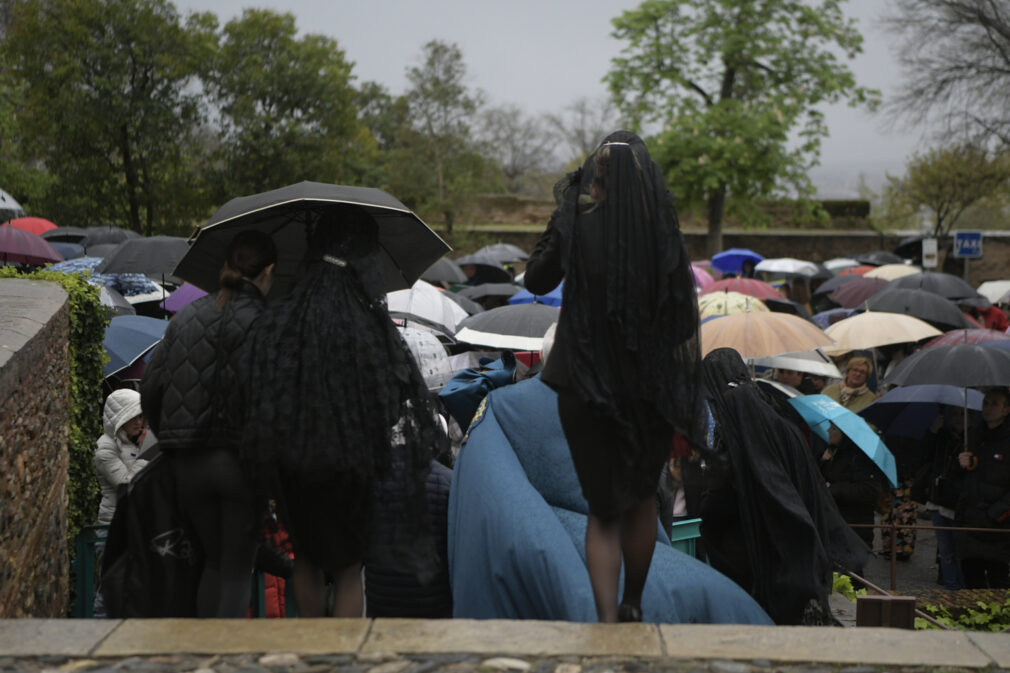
[34, 430]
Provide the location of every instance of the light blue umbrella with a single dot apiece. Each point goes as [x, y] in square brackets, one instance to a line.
[821, 412]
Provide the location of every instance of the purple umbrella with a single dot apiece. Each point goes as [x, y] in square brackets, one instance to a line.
[186, 294]
[17, 245]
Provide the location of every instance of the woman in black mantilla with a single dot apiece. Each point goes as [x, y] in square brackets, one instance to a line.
[339, 416]
[625, 362]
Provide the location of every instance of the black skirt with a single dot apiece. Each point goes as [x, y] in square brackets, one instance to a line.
[614, 475]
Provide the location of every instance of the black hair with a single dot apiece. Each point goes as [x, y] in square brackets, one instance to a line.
[249, 253]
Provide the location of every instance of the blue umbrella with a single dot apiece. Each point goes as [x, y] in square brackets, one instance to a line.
[68, 250]
[825, 319]
[731, 261]
[128, 337]
[908, 411]
[821, 412]
[552, 298]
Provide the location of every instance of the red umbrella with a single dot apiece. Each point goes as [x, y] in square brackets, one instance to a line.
[34, 225]
[748, 286]
[25, 248]
[857, 270]
[856, 291]
[966, 336]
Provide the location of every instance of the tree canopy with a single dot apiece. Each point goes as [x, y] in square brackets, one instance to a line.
[736, 88]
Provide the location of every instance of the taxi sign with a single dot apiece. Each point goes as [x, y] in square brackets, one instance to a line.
[968, 244]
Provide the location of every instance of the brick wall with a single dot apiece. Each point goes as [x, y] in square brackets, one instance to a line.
[34, 428]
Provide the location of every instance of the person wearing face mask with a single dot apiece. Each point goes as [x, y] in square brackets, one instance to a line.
[117, 449]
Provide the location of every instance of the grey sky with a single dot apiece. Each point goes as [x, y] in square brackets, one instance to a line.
[544, 54]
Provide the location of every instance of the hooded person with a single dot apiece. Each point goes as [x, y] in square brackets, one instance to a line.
[768, 522]
[625, 360]
[117, 449]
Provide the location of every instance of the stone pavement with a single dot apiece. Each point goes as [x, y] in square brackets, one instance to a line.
[466, 646]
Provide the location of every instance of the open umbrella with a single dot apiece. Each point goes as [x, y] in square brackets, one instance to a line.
[101, 250]
[187, 293]
[484, 290]
[33, 225]
[106, 235]
[9, 207]
[856, 292]
[516, 327]
[856, 270]
[552, 298]
[487, 269]
[892, 271]
[68, 250]
[812, 362]
[114, 302]
[994, 290]
[908, 411]
[872, 329]
[22, 247]
[758, 335]
[821, 412]
[65, 234]
[750, 286]
[839, 263]
[505, 253]
[879, 258]
[967, 336]
[154, 256]
[963, 365]
[408, 245]
[702, 278]
[444, 270]
[944, 284]
[128, 337]
[825, 319]
[833, 284]
[787, 266]
[926, 306]
[469, 305]
[424, 300]
[731, 261]
[727, 303]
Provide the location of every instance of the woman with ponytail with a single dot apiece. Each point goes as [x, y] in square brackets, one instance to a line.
[190, 393]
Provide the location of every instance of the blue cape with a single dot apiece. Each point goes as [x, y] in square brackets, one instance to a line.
[517, 526]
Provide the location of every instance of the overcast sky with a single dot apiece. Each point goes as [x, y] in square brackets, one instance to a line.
[544, 54]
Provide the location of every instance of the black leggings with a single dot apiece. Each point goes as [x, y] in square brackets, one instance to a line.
[215, 497]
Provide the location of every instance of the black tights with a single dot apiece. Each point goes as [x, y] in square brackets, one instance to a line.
[632, 536]
[216, 499]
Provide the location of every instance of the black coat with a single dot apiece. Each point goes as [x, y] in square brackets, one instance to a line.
[985, 495]
[190, 393]
[856, 484]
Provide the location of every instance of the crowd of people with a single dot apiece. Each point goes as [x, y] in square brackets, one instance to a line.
[310, 414]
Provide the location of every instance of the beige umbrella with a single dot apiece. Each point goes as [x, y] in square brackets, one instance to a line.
[728, 303]
[876, 328]
[761, 335]
[892, 271]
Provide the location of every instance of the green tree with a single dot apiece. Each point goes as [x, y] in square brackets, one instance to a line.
[441, 107]
[110, 106]
[736, 87]
[941, 185]
[286, 105]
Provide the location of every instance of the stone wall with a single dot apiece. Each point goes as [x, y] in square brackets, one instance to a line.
[34, 429]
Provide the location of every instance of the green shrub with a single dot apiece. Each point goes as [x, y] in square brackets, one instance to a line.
[991, 616]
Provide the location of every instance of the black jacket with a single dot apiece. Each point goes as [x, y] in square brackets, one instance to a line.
[190, 392]
[856, 484]
[985, 495]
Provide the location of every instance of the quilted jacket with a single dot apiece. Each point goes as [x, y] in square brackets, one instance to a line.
[115, 458]
[190, 391]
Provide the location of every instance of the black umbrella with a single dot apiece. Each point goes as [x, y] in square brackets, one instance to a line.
[444, 270]
[65, 234]
[487, 269]
[941, 313]
[102, 250]
[476, 292]
[504, 253]
[832, 284]
[409, 246]
[517, 326]
[944, 284]
[469, 305]
[788, 306]
[155, 256]
[878, 258]
[963, 365]
[103, 235]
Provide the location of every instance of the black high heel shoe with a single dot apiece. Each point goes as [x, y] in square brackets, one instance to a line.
[629, 613]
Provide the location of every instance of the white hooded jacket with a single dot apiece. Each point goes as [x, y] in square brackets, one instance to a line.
[115, 456]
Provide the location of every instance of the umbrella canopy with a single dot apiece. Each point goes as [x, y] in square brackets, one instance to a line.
[727, 303]
[517, 327]
[944, 284]
[101, 250]
[487, 269]
[834, 283]
[812, 362]
[68, 250]
[483, 290]
[879, 258]
[9, 207]
[824, 319]
[469, 305]
[444, 270]
[128, 337]
[839, 263]
[856, 270]
[187, 293]
[65, 234]
[964, 365]
[106, 235]
[408, 245]
[788, 306]
[114, 302]
[33, 225]
[967, 336]
[749, 286]
[994, 290]
[872, 329]
[892, 271]
[154, 256]
[504, 253]
[787, 266]
[424, 300]
[552, 298]
[856, 292]
[821, 412]
[759, 335]
[702, 278]
[731, 261]
[926, 306]
[908, 411]
[22, 247]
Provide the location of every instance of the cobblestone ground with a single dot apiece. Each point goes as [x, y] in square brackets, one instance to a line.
[462, 663]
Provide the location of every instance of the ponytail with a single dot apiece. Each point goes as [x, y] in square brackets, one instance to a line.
[249, 253]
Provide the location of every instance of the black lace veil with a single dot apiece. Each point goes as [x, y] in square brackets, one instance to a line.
[635, 347]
